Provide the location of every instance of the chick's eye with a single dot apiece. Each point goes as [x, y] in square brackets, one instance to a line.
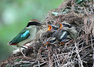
[67, 25]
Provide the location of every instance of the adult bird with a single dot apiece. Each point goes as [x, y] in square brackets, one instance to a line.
[27, 34]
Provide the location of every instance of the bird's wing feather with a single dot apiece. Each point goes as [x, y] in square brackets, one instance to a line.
[24, 34]
[63, 35]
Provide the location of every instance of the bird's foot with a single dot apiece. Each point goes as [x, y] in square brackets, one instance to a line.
[23, 55]
[22, 52]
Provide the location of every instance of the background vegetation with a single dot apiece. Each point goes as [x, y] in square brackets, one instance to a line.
[15, 14]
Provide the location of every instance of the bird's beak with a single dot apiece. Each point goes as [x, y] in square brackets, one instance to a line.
[46, 43]
[43, 25]
[61, 26]
[50, 27]
[62, 43]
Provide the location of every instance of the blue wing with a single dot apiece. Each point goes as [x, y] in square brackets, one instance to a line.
[24, 34]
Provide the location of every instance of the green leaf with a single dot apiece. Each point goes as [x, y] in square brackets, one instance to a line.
[17, 60]
[8, 66]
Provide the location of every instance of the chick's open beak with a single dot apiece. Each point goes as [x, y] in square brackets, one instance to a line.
[62, 43]
[49, 27]
[46, 43]
[61, 26]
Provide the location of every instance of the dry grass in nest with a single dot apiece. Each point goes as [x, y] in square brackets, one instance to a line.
[78, 53]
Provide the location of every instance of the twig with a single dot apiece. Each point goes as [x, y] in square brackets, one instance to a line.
[77, 51]
[93, 50]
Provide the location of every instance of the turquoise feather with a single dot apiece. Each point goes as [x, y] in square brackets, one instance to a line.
[24, 34]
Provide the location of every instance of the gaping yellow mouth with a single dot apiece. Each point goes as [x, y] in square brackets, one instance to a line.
[50, 27]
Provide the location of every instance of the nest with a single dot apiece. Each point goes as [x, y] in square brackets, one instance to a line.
[79, 53]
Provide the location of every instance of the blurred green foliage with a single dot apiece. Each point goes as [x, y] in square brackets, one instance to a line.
[15, 14]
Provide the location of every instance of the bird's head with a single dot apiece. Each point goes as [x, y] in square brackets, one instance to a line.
[46, 43]
[66, 25]
[50, 40]
[33, 22]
